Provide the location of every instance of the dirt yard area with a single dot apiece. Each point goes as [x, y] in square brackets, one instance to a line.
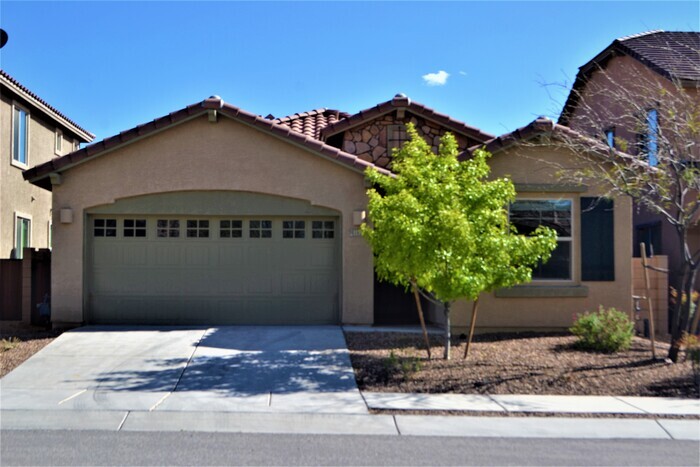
[514, 364]
[19, 342]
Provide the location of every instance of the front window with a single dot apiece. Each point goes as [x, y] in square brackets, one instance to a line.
[59, 142]
[650, 140]
[396, 136]
[527, 215]
[22, 236]
[20, 135]
[610, 137]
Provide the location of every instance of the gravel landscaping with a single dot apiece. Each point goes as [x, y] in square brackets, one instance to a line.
[525, 363]
[18, 343]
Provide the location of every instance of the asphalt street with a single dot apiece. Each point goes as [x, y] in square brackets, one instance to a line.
[180, 448]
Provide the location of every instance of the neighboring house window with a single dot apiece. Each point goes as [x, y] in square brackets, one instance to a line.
[260, 229]
[167, 228]
[20, 135]
[650, 138]
[293, 229]
[134, 227]
[650, 234]
[197, 228]
[396, 136]
[59, 142]
[231, 228]
[23, 232]
[527, 215]
[323, 229]
[610, 137]
[105, 227]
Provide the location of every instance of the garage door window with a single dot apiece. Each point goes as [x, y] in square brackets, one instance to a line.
[197, 228]
[293, 229]
[134, 227]
[168, 228]
[260, 229]
[105, 228]
[231, 228]
[323, 229]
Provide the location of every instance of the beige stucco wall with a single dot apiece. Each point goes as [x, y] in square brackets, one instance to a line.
[537, 165]
[18, 197]
[198, 155]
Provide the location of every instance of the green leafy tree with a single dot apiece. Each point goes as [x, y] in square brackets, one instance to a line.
[440, 226]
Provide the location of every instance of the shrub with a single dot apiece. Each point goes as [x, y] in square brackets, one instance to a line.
[604, 331]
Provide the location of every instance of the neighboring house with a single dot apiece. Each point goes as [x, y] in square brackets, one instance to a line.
[214, 215]
[668, 60]
[31, 133]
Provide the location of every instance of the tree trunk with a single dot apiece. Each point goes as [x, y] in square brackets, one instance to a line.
[696, 318]
[475, 308]
[681, 314]
[420, 316]
[446, 306]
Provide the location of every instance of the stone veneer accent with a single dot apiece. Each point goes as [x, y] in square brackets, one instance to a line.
[369, 142]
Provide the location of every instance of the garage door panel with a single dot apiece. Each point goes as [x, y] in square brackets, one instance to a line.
[230, 256]
[234, 279]
[322, 256]
[294, 283]
[167, 255]
[135, 255]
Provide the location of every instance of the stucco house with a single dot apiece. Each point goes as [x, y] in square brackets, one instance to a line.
[212, 214]
[31, 132]
[633, 67]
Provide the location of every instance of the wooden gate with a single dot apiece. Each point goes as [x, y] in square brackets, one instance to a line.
[10, 289]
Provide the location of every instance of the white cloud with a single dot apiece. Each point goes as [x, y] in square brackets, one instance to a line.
[436, 79]
[463, 73]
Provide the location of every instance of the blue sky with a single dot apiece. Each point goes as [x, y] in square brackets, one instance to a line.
[112, 65]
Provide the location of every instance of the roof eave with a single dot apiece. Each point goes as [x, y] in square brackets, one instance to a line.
[85, 135]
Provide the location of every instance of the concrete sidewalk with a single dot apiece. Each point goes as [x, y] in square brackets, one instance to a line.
[506, 403]
[351, 424]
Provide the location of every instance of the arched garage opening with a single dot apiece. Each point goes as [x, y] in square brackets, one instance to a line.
[212, 257]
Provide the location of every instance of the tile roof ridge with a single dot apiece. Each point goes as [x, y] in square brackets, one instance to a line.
[640, 34]
[58, 113]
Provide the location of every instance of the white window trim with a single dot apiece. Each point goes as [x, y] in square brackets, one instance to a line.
[49, 235]
[13, 162]
[58, 137]
[571, 279]
[21, 215]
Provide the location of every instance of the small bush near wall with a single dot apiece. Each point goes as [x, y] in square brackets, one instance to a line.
[603, 331]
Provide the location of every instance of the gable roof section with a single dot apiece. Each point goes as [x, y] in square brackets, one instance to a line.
[400, 101]
[673, 55]
[312, 122]
[40, 175]
[16, 87]
[538, 127]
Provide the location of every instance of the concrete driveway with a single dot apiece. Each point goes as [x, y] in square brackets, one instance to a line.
[232, 368]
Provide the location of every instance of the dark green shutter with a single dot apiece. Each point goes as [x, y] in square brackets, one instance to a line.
[597, 240]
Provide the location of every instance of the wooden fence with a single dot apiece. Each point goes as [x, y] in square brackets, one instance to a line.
[23, 286]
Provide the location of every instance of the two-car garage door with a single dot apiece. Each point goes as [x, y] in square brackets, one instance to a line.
[179, 269]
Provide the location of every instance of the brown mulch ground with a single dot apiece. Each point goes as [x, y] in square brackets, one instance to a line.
[18, 343]
[525, 363]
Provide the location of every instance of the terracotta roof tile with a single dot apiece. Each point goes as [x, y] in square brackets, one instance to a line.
[39, 175]
[675, 54]
[81, 132]
[310, 123]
